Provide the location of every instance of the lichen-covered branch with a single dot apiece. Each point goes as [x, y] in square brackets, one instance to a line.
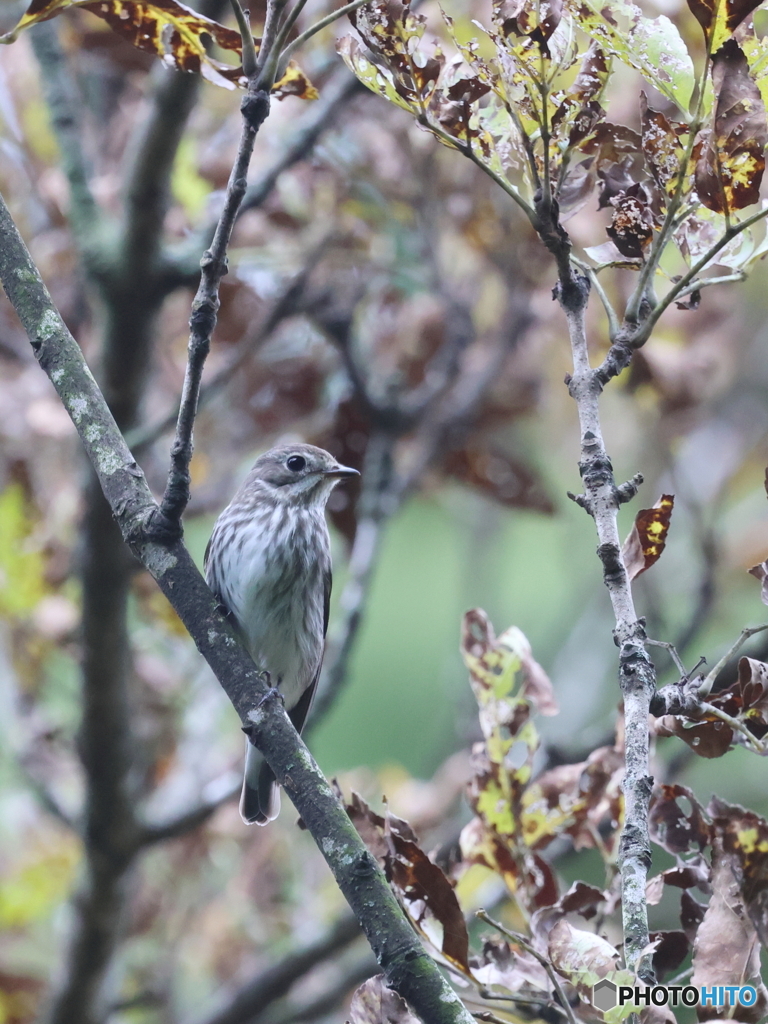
[397, 949]
[637, 675]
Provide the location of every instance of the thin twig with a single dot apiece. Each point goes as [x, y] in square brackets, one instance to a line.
[735, 724]
[610, 312]
[206, 303]
[286, 304]
[636, 672]
[249, 48]
[644, 330]
[529, 948]
[159, 832]
[707, 683]
[317, 27]
[259, 993]
[706, 282]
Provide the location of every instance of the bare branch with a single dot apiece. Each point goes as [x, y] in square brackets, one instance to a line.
[158, 832]
[318, 26]
[286, 304]
[65, 105]
[205, 307]
[636, 671]
[257, 995]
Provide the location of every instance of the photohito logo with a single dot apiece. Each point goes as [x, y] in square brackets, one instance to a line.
[606, 995]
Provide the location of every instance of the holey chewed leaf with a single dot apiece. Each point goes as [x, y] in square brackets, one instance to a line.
[661, 145]
[173, 32]
[653, 46]
[729, 173]
[441, 94]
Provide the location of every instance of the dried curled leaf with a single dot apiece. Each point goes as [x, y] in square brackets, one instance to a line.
[729, 173]
[374, 1003]
[425, 891]
[648, 537]
[727, 947]
[673, 829]
[173, 32]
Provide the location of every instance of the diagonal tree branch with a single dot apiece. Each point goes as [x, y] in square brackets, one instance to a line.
[256, 995]
[64, 104]
[398, 951]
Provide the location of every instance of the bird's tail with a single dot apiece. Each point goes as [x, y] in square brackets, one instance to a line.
[260, 799]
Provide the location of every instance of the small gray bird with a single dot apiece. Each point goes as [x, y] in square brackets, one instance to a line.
[269, 564]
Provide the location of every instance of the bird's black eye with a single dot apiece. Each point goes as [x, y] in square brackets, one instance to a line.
[296, 463]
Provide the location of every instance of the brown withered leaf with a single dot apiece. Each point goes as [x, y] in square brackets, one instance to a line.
[631, 227]
[753, 686]
[374, 1003]
[425, 891]
[727, 949]
[171, 31]
[581, 899]
[673, 829]
[745, 700]
[579, 111]
[691, 915]
[672, 948]
[575, 800]
[719, 19]
[647, 538]
[502, 476]
[730, 170]
[709, 739]
[607, 146]
[685, 876]
[692, 302]
[528, 18]
[661, 145]
[744, 837]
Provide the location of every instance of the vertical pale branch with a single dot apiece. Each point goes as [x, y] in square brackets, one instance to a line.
[637, 676]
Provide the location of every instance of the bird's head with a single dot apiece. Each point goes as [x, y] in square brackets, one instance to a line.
[298, 474]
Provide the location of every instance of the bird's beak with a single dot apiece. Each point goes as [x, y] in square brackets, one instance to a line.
[342, 471]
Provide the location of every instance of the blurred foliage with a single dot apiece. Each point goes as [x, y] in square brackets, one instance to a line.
[410, 233]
